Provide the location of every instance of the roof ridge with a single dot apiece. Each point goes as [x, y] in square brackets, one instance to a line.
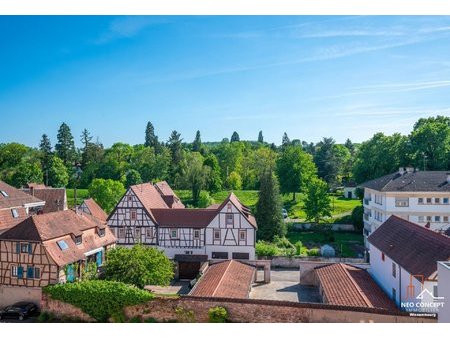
[222, 277]
[422, 229]
[360, 292]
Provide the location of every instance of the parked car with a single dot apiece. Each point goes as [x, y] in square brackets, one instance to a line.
[284, 213]
[20, 310]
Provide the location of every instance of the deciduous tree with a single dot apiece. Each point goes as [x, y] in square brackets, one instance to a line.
[106, 192]
[317, 203]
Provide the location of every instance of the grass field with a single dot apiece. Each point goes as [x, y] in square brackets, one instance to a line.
[82, 194]
[347, 244]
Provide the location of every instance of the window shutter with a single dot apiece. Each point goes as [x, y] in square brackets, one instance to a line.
[30, 248]
[20, 272]
[17, 247]
[30, 272]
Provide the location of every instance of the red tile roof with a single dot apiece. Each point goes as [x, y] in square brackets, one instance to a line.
[55, 198]
[53, 227]
[347, 285]
[168, 195]
[7, 220]
[94, 209]
[415, 248]
[15, 198]
[228, 279]
[190, 218]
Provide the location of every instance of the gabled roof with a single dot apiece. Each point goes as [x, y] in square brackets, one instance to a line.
[52, 225]
[411, 182]
[347, 285]
[55, 198]
[168, 195]
[149, 197]
[244, 210]
[95, 210]
[7, 220]
[415, 248]
[184, 218]
[228, 279]
[15, 198]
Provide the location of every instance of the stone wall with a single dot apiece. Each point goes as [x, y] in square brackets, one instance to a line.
[61, 309]
[265, 311]
[13, 294]
[334, 226]
[296, 262]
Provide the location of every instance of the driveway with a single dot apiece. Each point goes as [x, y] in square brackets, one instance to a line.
[285, 285]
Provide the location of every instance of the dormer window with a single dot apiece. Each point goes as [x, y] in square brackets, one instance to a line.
[78, 240]
[101, 232]
[4, 193]
[15, 213]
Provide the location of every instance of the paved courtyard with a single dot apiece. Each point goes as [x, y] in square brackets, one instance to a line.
[285, 285]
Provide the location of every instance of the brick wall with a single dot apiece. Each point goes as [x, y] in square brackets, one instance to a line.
[13, 294]
[61, 309]
[263, 311]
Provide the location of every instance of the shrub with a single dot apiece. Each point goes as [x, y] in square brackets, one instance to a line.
[265, 249]
[135, 320]
[314, 252]
[185, 315]
[298, 248]
[150, 320]
[218, 314]
[357, 217]
[205, 199]
[139, 266]
[99, 299]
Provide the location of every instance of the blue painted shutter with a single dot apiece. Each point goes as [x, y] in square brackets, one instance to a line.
[17, 247]
[19, 272]
[30, 248]
[70, 273]
[99, 258]
[30, 272]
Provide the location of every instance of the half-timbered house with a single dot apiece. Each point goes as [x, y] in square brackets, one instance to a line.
[90, 207]
[50, 248]
[145, 214]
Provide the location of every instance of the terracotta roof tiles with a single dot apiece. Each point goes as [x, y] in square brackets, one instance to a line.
[347, 285]
[228, 279]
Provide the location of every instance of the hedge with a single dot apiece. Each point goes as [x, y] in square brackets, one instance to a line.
[98, 298]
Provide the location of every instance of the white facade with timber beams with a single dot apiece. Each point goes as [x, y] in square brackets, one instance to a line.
[225, 231]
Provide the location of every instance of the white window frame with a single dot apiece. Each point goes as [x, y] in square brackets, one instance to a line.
[242, 232]
[149, 232]
[214, 235]
[121, 231]
[226, 219]
[171, 231]
[196, 234]
[133, 212]
[14, 271]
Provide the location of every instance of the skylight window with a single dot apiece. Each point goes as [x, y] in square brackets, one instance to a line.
[4, 193]
[62, 245]
[15, 213]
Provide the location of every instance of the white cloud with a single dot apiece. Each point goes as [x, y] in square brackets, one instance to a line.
[127, 27]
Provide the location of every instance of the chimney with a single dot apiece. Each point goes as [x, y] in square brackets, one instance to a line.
[427, 225]
[32, 190]
[401, 170]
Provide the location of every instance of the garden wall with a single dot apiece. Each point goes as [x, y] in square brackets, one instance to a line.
[334, 227]
[13, 294]
[264, 311]
[61, 309]
[295, 262]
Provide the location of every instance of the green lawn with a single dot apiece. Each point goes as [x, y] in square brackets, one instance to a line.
[82, 194]
[340, 206]
[347, 244]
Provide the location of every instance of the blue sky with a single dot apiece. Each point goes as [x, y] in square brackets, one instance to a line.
[311, 76]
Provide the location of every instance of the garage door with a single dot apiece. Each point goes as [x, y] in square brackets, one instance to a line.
[188, 270]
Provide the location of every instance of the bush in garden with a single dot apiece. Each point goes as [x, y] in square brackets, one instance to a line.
[314, 252]
[218, 314]
[266, 249]
[99, 298]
